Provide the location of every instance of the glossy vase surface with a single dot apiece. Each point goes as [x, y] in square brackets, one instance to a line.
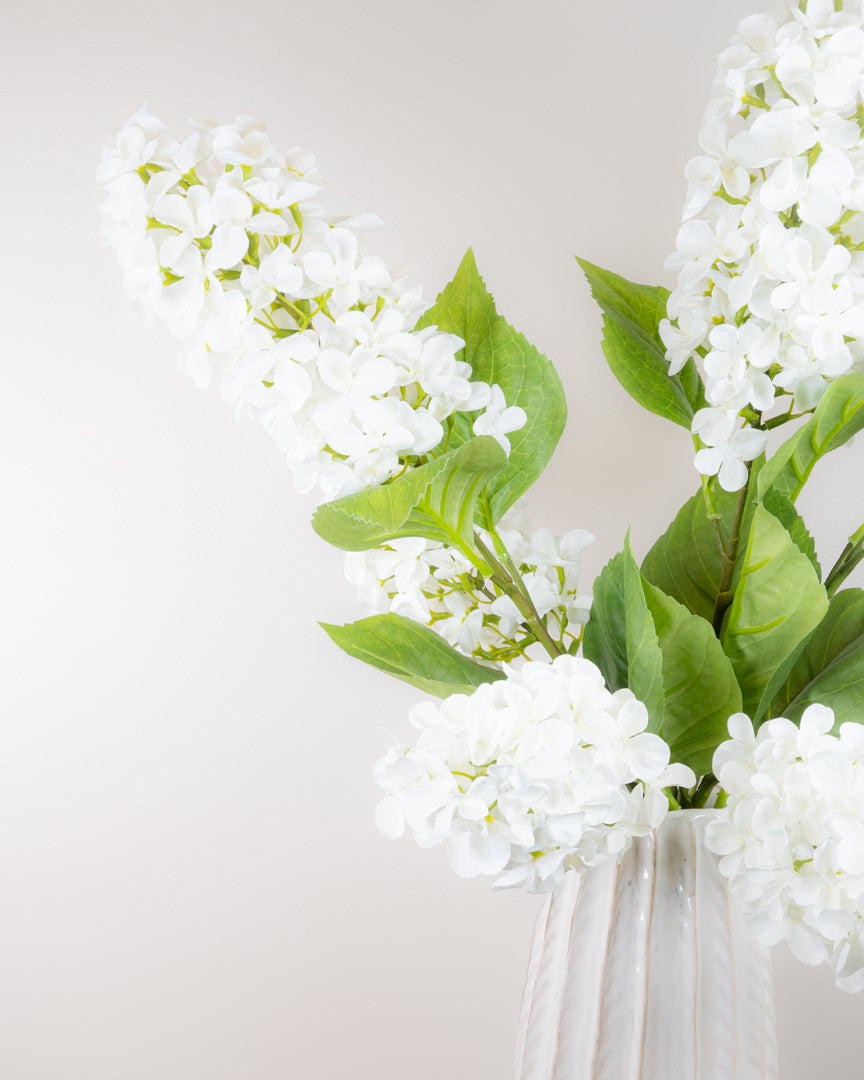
[648, 970]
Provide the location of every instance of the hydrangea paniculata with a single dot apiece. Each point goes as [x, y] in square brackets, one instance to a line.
[543, 771]
[792, 841]
[220, 237]
[770, 257]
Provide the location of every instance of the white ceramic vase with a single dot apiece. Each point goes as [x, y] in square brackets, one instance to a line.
[648, 970]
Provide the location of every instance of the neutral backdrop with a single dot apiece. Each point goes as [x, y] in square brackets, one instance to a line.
[192, 885]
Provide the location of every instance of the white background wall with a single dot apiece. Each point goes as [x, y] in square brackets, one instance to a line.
[192, 887]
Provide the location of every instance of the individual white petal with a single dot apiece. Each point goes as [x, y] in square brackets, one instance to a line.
[820, 206]
[343, 244]
[817, 719]
[230, 206]
[748, 443]
[319, 268]
[267, 224]
[732, 475]
[708, 461]
[850, 855]
[230, 244]
[335, 370]
[677, 775]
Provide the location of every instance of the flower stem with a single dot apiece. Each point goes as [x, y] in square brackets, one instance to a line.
[673, 802]
[509, 581]
[851, 555]
[702, 793]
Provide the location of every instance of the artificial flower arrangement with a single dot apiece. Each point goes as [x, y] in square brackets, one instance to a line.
[728, 669]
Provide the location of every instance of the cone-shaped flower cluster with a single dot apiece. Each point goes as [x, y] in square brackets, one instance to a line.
[220, 237]
[793, 842]
[770, 295]
[543, 771]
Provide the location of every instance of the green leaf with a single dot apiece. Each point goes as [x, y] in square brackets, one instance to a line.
[686, 562]
[782, 507]
[620, 637]
[605, 639]
[700, 688]
[838, 416]
[631, 343]
[777, 680]
[644, 661]
[830, 668]
[778, 601]
[437, 501]
[498, 354]
[413, 653]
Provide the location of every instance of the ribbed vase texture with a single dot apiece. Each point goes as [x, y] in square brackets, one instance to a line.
[648, 970]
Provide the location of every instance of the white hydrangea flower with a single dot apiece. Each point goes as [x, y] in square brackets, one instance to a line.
[541, 772]
[792, 840]
[437, 585]
[728, 444]
[220, 237]
[498, 420]
[770, 296]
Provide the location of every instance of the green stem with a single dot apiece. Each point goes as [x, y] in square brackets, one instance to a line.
[711, 507]
[850, 556]
[509, 581]
[713, 511]
[718, 532]
[783, 418]
[703, 791]
[293, 311]
[574, 645]
[725, 593]
[673, 802]
[483, 567]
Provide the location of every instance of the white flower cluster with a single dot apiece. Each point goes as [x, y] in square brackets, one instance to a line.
[770, 293]
[793, 842]
[541, 772]
[219, 236]
[438, 586]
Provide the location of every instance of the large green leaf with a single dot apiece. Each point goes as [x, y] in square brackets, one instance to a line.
[620, 637]
[700, 688]
[838, 416]
[782, 507]
[686, 562]
[778, 601]
[437, 501]
[777, 681]
[498, 354]
[605, 639]
[631, 343]
[830, 668]
[411, 652]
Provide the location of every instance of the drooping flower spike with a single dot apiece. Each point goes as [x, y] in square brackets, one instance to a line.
[770, 257]
[220, 237]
